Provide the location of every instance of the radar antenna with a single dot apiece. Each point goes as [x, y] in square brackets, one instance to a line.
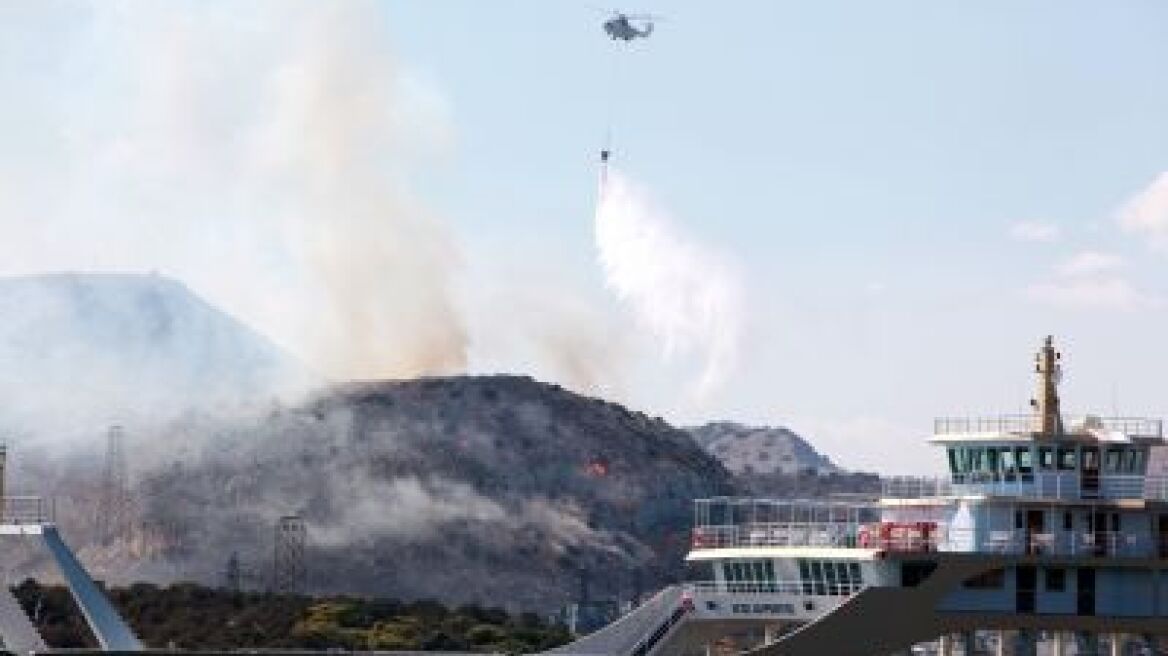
[1046, 402]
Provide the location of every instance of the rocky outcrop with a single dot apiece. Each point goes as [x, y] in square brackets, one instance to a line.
[761, 450]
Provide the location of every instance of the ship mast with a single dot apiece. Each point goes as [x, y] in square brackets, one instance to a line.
[1046, 401]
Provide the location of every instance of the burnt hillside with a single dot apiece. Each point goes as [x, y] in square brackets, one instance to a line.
[498, 490]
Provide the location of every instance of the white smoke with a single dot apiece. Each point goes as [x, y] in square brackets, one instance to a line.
[268, 156]
[683, 293]
[264, 155]
[426, 508]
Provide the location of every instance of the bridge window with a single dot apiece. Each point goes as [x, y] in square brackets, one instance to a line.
[1045, 457]
[992, 460]
[749, 576]
[977, 460]
[964, 460]
[1113, 460]
[830, 579]
[1089, 459]
[734, 576]
[1009, 466]
[1024, 459]
[1134, 462]
[1068, 458]
[842, 577]
[1007, 459]
[766, 573]
[817, 577]
[834, 578]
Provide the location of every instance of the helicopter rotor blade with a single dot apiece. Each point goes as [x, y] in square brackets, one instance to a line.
[605, 10]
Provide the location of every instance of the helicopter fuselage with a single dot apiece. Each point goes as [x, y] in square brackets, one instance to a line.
[623, 29]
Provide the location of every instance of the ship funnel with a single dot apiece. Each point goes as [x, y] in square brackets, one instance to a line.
[1049, 419]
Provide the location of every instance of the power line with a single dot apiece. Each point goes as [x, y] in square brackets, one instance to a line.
[113, 513]
[289, 569]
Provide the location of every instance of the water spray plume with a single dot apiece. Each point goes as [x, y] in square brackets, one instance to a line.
[687, 297]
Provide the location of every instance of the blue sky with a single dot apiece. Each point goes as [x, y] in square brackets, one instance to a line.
[913, 193]
[867, 163]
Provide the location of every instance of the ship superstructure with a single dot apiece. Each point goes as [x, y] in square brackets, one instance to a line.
[1047, 535]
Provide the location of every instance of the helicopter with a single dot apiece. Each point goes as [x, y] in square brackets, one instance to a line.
[624, 26]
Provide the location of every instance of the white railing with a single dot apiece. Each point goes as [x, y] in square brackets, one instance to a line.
[1063, 543]
[925, 537]
[797, 514]
[909, 537]
[747, 587]
[25, 510]
[789, 587]
[784, 534]
[1027, 424]
[993, 424]
[1131, 426]
[915, 487]
[1036, 485]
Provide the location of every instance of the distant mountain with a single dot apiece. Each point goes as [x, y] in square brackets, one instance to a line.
[761, 450]
[498, 490]
[81, 350]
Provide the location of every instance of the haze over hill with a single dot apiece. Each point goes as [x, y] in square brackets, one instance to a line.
[81, 351]
[458, 488]
[495, 489]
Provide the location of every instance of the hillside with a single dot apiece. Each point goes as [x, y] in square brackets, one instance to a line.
[751, 450]
[497, 490]
[78, 351]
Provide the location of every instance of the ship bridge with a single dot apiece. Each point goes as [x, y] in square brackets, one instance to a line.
[1041, 456]
[1045, 528]
[1096, 458]
[1040, 484]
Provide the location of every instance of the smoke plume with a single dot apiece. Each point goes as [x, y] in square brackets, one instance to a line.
[384, 265]
[264, 155]
[680, 291]
[268, 157]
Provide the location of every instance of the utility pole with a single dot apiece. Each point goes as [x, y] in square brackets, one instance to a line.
[113, 512]
[289, 570]
[233, 575]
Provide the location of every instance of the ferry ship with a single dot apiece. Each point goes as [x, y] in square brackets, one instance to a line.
[1047, 536]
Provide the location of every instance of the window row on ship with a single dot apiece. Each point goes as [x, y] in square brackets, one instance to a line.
[1022, 461]
[811, 577]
